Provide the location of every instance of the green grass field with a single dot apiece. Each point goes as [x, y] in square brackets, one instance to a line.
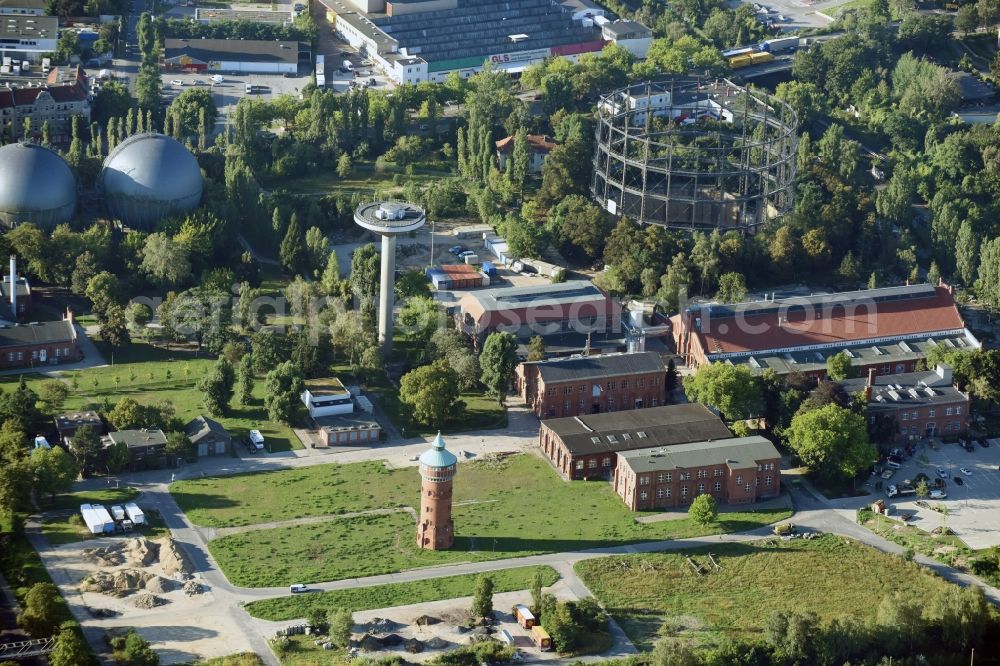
[74, 500]
[830, 575]
[396, 594]
[151, 375]
[516, 508]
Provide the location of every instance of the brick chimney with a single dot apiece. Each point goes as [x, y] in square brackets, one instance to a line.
[869, 384]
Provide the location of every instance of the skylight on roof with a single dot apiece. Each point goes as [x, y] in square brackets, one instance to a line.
[641, 434]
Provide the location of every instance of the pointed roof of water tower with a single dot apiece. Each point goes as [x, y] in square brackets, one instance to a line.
[437, 455]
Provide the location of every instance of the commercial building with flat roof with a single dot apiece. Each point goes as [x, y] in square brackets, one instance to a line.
[578, 385]
[426, 40]
[147, 448]
[920, 404]
[22, 7]
[68, 424]
[545, 309]
[888, 329]
[739, 470]
[585, 447]
[234, 55]
[27, 37]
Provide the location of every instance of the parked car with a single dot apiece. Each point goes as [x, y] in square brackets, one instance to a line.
[456, 249]
[985, 443]
[941, 473]
[966, 471]
[894, 463]
[938, 494]
[176, 82]
[467, 253]
[967, 445]
[958, 481]
[298, 587]
[887, 474]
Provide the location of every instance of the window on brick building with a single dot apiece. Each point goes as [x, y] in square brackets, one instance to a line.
[718, 486]
[701, 488]
[667, 491]
[958, 411]
[592, 463]
[606, 462]
[624, 383]
[931, 413]
[684, 476]
[949, 411]
[739, 480]
[684, 491]
[905, 416]
[702, 473]
[913, 416]
[747, 488]
[640, 382]
[579, 464]
[717, 472]
[767, 481]
[661, 477]
[660, 493]
[643, 495]
[643, 480]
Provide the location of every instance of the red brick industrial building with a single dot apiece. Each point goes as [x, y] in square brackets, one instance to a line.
[923, 404]
[592, 384]
[740, 470]
[887, 329]
[586, 447]
[39, 344]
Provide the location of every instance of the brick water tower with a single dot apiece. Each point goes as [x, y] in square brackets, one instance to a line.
[435, 528]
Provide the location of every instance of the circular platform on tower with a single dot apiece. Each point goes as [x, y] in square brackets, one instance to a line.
[390, 217]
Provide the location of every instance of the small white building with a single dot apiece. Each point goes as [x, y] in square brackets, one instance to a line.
[327, 397]
[539, 147]
[633, 36]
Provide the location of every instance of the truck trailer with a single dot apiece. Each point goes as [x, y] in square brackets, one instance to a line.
[135, 514]
[97, 519]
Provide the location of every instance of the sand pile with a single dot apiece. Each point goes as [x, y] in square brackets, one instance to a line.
[436, 643]
[141, 552]
[147, 600]
[172, 559]
[193, 587]
[159, 585]
[118, 583]
[105, 556]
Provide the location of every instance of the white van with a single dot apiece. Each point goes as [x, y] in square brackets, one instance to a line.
[297, 587]
[257, 440]
[249, 88]
[217, 78]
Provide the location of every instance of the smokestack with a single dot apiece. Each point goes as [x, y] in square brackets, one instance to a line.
[869, 384]
[13, 285]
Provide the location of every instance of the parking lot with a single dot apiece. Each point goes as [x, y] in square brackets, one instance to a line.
[973, 505]
[796, 13]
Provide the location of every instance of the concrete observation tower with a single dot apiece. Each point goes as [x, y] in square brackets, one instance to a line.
[435, 528]
[388, 219]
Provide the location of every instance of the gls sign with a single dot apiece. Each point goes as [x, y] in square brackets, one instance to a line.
[519, 56]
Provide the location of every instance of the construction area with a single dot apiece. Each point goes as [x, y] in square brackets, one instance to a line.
[147, 585]
[421, 632]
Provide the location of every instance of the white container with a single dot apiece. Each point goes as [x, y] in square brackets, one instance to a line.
[135, 514]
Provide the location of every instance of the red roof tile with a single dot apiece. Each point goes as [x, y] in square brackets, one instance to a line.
[536, 142]
[864, 321]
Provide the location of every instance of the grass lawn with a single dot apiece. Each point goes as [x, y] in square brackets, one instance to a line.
[831, 576]
[71, 528]
[396, 594]
[480, 413]
[150, 375]
[74, 500]
[495, 504]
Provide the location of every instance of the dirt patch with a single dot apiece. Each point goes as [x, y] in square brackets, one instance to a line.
[172, 559]
[193, 587]
[105, 556]
[944, 550]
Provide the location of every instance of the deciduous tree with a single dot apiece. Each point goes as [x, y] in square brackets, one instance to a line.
[731, 389]
[832, 441]
[431, 391]
[703, 510]
[498, 361]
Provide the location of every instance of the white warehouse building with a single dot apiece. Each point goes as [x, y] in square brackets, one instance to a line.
[235, 55]
[26, 37]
